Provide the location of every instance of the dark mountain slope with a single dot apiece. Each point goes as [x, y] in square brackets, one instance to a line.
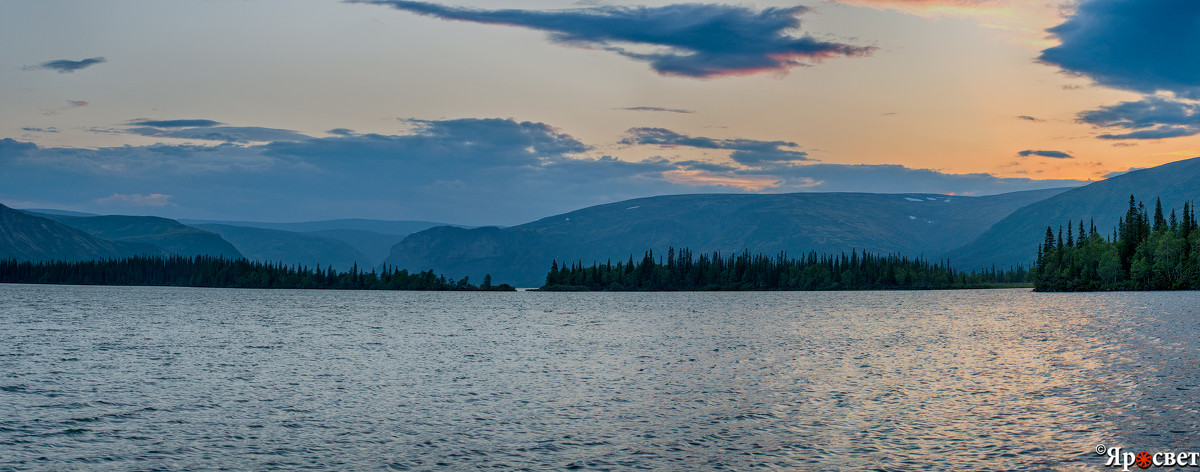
[168, 234]
[375, 246]
[1014, 239]
[270, 245]
[911, 224]
[401, 227]
[27, 237]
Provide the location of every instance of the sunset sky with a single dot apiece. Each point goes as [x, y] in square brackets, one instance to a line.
[504, 111]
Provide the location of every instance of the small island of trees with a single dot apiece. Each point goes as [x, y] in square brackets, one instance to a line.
[1143, 253]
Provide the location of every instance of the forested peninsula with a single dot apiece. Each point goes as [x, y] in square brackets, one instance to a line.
[1143, 253]
[208, 271]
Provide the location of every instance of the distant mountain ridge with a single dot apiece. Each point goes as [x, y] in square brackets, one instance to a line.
[401, 227]
[1014, 238]
[911, 224]
[27, 237]
[168, 234]
[291, 248]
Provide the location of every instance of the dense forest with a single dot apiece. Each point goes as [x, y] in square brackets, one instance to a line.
[1143, 253]
[857, 271]
[208, 271]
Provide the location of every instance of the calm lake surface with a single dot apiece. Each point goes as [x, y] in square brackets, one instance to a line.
[149, 378]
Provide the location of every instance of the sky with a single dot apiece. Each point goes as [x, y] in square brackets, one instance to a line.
[500, 112]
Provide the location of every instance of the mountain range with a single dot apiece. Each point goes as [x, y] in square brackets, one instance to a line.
[971, 232]
[27, 237]
[911, 224]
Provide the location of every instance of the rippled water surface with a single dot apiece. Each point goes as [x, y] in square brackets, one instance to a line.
[169, 378]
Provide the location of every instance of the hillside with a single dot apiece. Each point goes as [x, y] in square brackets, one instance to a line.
[27, 237]
[911, 224]
[168, 234]
[375, 246]
[1014, 239]
[270, 245]
[374, 238]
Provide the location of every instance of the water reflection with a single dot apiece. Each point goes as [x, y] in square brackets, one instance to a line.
[963, 380]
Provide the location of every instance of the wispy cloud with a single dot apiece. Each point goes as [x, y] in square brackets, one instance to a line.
[745, 151]
[71, 105]
[932, 7]
[176, 123]
[208, 130]
[701, 40]
[136, 200]
[1030, 118]
[67, 66]
[662, 109]
[1122, 172]
[1152, 117]
[1051, 154]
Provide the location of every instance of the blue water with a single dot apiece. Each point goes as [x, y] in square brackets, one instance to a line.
[120, 378]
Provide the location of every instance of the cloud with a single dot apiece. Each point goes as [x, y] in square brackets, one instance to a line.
[745, 151]
[208, 130]
[71, 105]
[888, 178]
[176, 123]
[705, 166]
[685, 40]
[40, 130]
[467, 171]
[933, 8]
[1152, 117]
[1144, 46]
[1122, 172]
[135, 200]
[1030, 118]
[1053, 154]
[668, 110]
[228, 134]
[342, 132]
[66, 66]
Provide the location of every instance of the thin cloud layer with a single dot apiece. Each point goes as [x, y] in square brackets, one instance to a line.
[1145, 46]
[467, 171]
[208, 130]
[745, 151]
[176, 123]
[1052, 154]
[662, 109]
[65, 66]
[701, 40]
[1152, 117]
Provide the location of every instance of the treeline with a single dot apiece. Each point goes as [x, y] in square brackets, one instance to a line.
[857, 271]
[208, 271]
[1143, 253]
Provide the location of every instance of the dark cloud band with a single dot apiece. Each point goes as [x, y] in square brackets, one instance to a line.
[66, 66]
[745, 151]
[1152, 117]
[701, 40]
[1145, 45]
[1051, 154]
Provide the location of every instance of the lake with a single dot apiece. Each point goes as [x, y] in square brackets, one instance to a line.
[142, 378]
